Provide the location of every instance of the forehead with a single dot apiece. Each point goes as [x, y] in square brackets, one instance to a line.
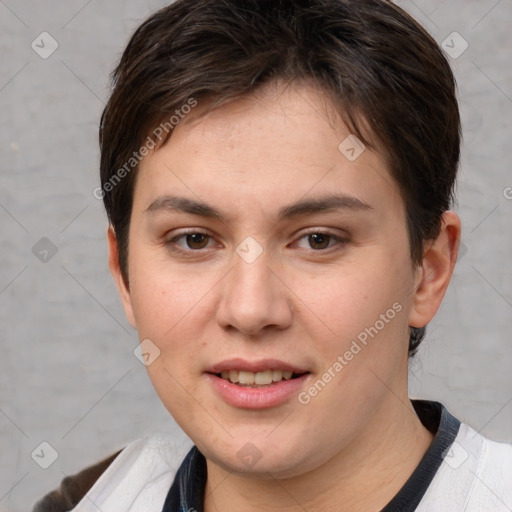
[264, 151]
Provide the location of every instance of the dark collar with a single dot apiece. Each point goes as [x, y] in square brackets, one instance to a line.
[187, 490]
[445, 428]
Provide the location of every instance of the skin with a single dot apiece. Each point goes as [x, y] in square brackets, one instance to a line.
[357, 441]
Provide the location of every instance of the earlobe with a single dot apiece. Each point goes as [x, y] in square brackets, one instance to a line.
[115, 270]
[435, 271]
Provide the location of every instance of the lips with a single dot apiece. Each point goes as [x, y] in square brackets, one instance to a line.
[256, 384]
[255, 366]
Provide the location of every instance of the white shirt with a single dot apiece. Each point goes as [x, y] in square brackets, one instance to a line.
[475, 475]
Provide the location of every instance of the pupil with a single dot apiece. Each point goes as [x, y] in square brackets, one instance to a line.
[318, 240]
[196, 240]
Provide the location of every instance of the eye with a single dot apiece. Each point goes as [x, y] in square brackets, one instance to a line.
[189, 241]
[319, 241]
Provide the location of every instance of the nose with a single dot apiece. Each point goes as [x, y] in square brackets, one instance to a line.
[254, 298]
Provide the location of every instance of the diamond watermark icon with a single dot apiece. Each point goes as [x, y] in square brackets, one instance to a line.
[249, 250]
[249, 455]
[44, 455]
[455, 455]
[146, 352]
[455, 45]
[44, 45]
[351, 147]
[44, 250]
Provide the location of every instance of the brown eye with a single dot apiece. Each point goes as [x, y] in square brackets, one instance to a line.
[197, 240]
[319, 240]
[189, 242]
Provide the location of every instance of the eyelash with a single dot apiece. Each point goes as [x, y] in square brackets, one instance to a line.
[171, 243]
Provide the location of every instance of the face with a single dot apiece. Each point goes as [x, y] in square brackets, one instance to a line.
[260, 252]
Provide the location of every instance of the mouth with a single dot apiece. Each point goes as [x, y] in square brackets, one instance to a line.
[261, 379]
[258, 384]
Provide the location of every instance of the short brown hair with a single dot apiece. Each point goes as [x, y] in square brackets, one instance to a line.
[372, 58]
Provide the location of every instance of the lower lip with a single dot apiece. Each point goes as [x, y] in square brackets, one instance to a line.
[257, 398]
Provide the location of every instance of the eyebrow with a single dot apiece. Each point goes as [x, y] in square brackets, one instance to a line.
[326, 204]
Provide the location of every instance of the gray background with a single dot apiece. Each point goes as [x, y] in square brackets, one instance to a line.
[67, 372]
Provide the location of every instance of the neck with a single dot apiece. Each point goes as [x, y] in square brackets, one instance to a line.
[364, 476]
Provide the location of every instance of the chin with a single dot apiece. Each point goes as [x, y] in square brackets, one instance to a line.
[260, 458]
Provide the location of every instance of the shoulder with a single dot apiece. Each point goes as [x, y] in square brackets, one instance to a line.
[475, 475]
[490, 460]
[73, 488]
[492, 475]
[140, 473]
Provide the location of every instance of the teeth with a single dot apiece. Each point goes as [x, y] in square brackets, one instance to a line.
[246, 378]
[264, 378]
[277, 375]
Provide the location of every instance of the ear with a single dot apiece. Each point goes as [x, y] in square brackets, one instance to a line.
[115, 270]
[435, 271]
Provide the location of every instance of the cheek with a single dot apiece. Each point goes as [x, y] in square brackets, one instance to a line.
[344, 303]
[361, 354]
[361, 338]
[163, 297]
[174, 310]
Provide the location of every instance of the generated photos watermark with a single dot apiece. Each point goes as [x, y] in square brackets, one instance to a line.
[356, 347]
[158, 135]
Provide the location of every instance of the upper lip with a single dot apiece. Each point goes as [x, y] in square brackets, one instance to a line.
[254, 366]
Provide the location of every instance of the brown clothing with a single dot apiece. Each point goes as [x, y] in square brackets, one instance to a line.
[73, 488]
